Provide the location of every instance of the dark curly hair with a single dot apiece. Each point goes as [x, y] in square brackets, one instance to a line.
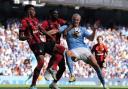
[27, 7]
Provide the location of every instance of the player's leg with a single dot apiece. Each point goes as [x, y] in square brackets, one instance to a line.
[48, 47]
[53, 49]
[85, 55]
[40, 63]
[54, 61]
[59, 74]
[47, 74]
[52, 70]
[71, 54]
[59, 51]
[70, 67]
[100, 63]
[50, 63]
[92, 61]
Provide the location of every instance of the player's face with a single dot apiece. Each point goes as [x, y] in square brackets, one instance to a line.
[31, 12]
[76, 20]
[55, 15]
[100, 40]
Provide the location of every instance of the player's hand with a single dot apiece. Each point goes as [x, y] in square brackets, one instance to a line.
[65, 34]
[66, 31]
[96, 24]
[53, 31]
[48, 34]
[70, 26]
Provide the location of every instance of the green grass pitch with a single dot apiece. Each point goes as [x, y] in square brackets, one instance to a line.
[62, 87]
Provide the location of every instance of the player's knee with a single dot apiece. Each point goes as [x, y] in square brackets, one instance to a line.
[93, 60]
[59, 57]
[60, 49]
[94, 65]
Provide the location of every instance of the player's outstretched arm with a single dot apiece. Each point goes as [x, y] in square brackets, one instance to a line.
[94, 28]
[44, 32]
[66, 30]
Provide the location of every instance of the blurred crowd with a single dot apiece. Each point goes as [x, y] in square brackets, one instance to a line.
[16, 58]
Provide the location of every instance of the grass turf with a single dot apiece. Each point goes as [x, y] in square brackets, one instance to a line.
[62, 87]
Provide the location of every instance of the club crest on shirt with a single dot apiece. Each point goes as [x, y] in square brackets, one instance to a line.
[76, 32]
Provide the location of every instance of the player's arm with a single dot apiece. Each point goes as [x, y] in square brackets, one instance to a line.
[55, 31]
[44, 32]
[106, 51]
[94, 28]
[62, 29]
[62, 21]
[22, 30]
[43, 28]
[93, 49]
[66, 30]
[91, 37]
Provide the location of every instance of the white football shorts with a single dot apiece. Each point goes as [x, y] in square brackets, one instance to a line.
[82, 53]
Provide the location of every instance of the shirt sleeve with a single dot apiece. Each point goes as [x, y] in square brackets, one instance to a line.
[86, 32]
[62, 28]
[62, 21]
[24, 25]
[44, 25]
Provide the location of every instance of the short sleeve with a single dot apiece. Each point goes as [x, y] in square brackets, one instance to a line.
[62, 21]
[23, 25]
[86, 32]
[44, 25]
[62, 28]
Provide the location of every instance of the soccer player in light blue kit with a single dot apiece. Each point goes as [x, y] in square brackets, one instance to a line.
[78, 50]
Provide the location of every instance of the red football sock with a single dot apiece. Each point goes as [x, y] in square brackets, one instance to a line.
[58, 58]
[35, 76]
[37, 71]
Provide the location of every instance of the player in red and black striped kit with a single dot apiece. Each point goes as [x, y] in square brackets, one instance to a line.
[57, 59]
[31, 31]
[100, 50]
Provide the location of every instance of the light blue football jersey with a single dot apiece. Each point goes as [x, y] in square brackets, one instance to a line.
[75, 37]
